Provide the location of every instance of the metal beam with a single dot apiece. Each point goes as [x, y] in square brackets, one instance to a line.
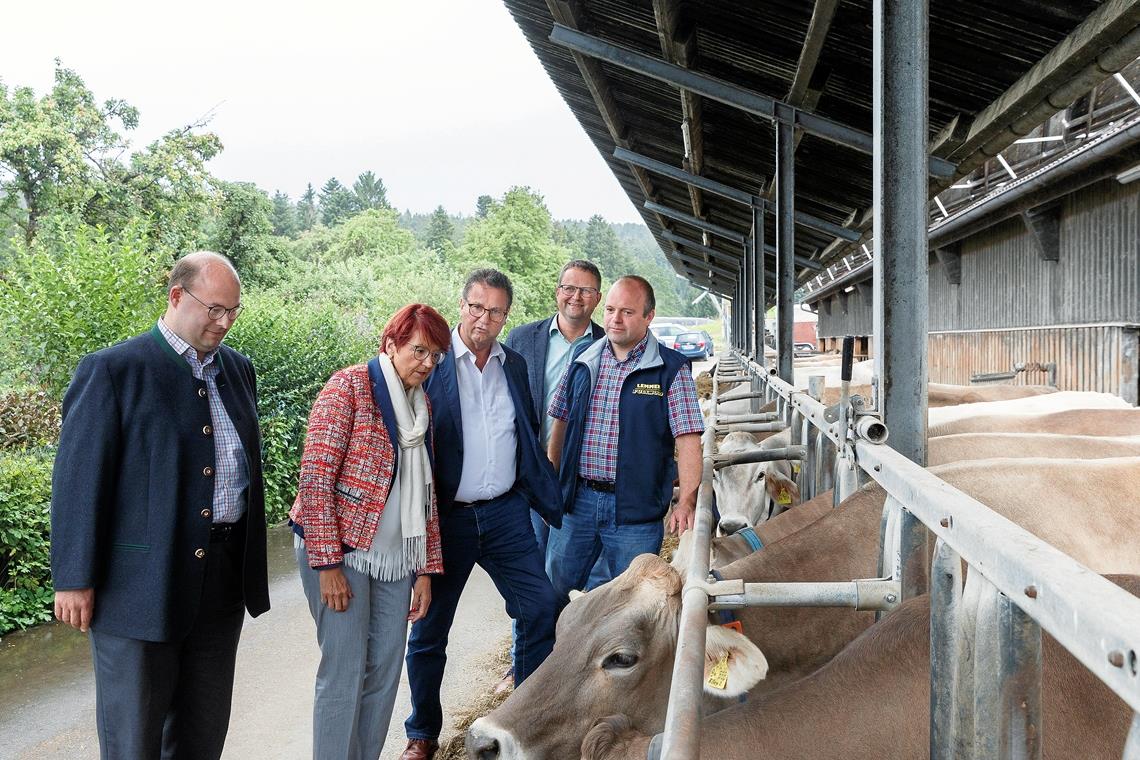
[900, 66]
[724, 92]
[785, 246]
[761, 281]
[770, 250]
[726, 191]
[821, 18]
[701, 224]
[700, 263]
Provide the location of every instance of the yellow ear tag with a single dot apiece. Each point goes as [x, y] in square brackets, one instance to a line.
[718, 676]
[796, 467]
[784, 497]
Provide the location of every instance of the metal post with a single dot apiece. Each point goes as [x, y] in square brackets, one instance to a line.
[761, 282]
[785, 245]
[748, 275]
[900, 66]
[913, 537]
[1007, 681]
[945, 600]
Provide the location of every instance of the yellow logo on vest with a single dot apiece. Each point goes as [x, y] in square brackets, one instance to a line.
[648, 389]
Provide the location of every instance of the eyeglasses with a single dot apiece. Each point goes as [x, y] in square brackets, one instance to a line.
[419, 353]
[477, 310]
[215, 312]
[570, 290]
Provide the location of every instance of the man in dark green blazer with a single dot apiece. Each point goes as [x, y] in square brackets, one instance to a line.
[158, 519]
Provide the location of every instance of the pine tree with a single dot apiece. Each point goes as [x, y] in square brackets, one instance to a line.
[284, 217]
[370, 191]
[306, 215]
[440, 231]
[483, 206]
[337, 202]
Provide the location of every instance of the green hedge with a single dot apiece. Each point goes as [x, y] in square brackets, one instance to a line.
[25, 502]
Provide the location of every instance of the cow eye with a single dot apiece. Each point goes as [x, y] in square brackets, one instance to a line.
[619, 660]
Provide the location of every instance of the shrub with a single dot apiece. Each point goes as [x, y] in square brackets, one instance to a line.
[25, 502]
[294, 350]
[73, 291]
[28, 417]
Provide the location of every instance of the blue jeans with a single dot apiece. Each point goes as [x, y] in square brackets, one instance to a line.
[590, 534]
[498, 537]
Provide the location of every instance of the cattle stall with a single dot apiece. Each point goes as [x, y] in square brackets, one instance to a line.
[864, 146]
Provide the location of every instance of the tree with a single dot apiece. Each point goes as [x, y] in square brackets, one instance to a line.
[370, 191]
[483, 206]
[337, 202]
[243, 226]
[440, 232]
[307, 209]
[284, 217]
[515, 237]
[63, 153]
[601, 245]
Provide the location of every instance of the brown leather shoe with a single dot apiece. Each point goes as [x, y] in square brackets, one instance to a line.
[420, 749]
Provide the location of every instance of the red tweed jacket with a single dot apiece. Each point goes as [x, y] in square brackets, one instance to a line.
[346, 473]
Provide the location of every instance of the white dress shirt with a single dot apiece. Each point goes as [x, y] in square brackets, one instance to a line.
[490, 443]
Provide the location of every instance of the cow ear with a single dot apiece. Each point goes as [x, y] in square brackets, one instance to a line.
[681, 554]
[782, 489]
[575, 593]
[733, 664]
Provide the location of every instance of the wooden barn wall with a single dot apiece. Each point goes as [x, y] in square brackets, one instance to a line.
[1005, 283]
[1088, 358]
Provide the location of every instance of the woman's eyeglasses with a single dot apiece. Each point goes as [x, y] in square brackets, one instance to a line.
[420, 353]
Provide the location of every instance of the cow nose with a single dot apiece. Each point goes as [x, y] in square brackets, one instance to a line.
[481, 745]
[729, 525]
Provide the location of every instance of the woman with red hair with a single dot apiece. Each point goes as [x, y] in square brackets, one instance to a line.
[367, 531]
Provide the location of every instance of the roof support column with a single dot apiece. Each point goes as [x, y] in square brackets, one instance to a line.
[785, 244]
[759, 283]
[900, 66]
[747, 274]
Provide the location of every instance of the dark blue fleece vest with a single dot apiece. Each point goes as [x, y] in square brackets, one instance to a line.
[645, 465]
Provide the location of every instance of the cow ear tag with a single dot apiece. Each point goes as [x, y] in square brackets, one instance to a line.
[718, 676]
[796, 467]
[735, 625]
[784, 497]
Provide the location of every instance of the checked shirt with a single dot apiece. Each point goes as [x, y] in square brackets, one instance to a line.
[600, 439]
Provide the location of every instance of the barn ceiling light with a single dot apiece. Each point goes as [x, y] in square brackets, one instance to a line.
[1130, 174]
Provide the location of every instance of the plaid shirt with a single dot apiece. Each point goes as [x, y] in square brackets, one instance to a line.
[600, 440]
[231, 471]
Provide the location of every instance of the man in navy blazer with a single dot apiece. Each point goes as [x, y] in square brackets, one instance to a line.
[158, 520]
[489, 473]
[547, 346]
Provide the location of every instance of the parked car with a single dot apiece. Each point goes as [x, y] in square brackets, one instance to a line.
[803, 349]
[694, 344]
[666, 332]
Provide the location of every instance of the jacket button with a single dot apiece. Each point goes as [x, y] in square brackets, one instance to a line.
[207, 471]
[200, 553]
[207, 430]
[201, 393]
[205, 513]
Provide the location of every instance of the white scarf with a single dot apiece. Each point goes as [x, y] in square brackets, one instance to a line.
[400, 544]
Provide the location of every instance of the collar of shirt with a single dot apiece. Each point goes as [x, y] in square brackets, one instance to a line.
[181, 347]
[554, 329]
[635, 353]
[460, 349]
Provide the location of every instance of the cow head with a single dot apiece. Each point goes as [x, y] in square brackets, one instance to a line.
[613, 654]
[743, 490]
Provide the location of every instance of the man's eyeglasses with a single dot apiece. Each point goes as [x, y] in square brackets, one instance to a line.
[419, 353]
[215, 312]
[570, 290]
[477, 310]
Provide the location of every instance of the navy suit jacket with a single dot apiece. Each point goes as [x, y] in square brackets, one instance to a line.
[535, 478]
[532, 341]
[131, 493]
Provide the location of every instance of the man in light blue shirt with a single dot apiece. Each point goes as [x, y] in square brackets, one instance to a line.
[548, 345]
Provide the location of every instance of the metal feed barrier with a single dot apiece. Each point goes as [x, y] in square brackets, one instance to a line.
[985, 662]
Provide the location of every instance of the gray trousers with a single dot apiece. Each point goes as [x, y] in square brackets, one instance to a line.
[362, 654]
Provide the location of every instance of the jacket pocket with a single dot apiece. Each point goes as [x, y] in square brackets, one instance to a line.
[354, 495]
[125, 547]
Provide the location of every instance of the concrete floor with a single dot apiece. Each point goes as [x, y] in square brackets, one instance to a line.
[47, 689]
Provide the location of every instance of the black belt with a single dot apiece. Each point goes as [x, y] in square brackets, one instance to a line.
[480, 502]
[605, 486]
[223, 531]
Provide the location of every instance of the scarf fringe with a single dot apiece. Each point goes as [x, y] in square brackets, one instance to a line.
[391, 566]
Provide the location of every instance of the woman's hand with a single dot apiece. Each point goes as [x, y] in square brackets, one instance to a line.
[421, 598]
[335, 591]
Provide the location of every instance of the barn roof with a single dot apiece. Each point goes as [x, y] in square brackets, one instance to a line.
[998, 69]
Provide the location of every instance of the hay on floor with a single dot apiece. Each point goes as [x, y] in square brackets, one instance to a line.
[452, 748]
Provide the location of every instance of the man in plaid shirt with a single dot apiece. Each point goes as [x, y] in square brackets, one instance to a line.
[623, 405]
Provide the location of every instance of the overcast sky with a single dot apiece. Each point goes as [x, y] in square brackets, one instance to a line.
[443, 99]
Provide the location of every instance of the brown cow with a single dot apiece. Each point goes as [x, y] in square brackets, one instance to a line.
[616, 644]
[1103, 422]
[872, 701]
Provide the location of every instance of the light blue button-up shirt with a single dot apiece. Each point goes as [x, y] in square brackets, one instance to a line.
[490, 442]
[558, 353]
